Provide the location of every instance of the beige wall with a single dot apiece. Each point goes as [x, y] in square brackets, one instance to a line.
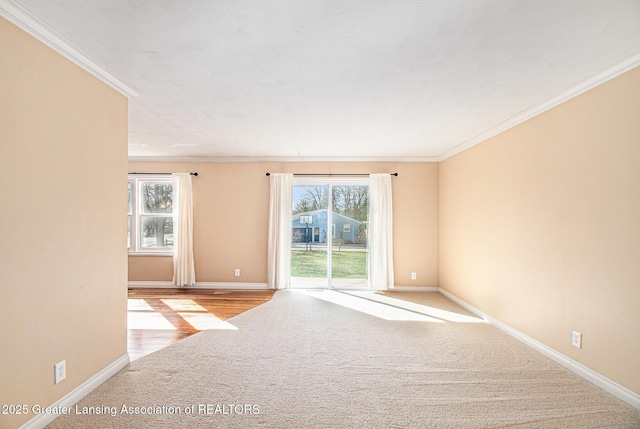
[231, 206]
[540, 228]
[63, 160]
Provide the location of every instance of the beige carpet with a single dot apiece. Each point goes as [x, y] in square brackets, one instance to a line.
[301, 361]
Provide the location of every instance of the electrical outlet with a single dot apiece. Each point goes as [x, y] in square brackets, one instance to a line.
[413, 276]
[576, 339]
[237, 272]
[59, 372]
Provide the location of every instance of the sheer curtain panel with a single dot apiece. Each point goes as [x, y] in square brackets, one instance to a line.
[279, 252]
[380, 232]
[184, 273]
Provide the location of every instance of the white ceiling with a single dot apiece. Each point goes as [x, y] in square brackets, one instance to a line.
[340, 79]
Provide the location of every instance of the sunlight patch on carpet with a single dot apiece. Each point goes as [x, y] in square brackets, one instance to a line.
[204, 321]
[377, 309]
[426, 310]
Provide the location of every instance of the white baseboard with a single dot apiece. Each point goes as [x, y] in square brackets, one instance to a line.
[151, 284]
[414, 289]
[198, 285]
[588, 374]
[254, 286]
[73, 397]
[230, 285]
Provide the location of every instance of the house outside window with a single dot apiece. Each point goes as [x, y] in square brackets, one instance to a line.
[150, 214]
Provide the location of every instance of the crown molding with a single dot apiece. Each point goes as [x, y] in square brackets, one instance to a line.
[573, 91]
[279, 159]
[27, 21]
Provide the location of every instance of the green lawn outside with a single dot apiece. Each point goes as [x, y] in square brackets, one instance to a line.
[346, 265]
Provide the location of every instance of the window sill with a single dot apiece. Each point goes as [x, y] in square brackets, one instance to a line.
[150, 253]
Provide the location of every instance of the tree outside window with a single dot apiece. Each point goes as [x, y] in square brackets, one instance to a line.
[151, 214]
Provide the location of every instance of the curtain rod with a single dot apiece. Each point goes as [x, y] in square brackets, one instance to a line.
[165, 174]
[332, 174]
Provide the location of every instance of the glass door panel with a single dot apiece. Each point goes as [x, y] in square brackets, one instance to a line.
[309, 236]
[349, 250]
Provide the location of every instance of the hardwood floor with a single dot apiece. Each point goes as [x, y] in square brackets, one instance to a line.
[160, 317]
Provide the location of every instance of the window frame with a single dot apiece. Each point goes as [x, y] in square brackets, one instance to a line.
[137, 213]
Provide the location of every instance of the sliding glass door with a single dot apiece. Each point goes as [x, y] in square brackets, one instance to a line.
[329, 247]
[349, 223]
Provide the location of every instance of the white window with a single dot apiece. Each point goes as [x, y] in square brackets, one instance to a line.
[346, 227]
[150, 215]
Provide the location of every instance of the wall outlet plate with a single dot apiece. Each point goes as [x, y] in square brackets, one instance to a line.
[413, 276]
[237, 272]
[576, 339]
[59, 371]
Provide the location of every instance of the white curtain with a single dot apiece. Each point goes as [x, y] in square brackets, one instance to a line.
[184, 273]
[279, 252]
[380, 232]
